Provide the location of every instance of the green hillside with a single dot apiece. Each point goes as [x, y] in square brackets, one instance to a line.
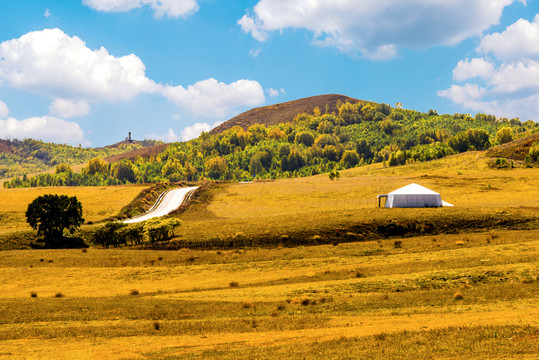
[353, 134]
[24, 157]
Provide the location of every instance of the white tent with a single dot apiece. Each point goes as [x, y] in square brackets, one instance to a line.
[411, 196]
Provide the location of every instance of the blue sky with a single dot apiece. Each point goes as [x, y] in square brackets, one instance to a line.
[88, 71]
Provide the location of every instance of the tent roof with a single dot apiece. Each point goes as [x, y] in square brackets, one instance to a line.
[414, 189]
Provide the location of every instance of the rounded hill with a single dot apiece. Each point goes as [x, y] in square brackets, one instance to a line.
[284, 112]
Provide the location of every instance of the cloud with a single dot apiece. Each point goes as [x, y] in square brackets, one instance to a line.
[194, 131]
[170, 8]
[376, 29]
[469, 69]
[212, 98]
[506, 85]
[54, 64]
[47, 13]
[4, 111]
[517, 41]
[68, 109]
[273, 92]
[46, 128]
[168, 138]
[463, 94]
[248, 26]
[51, 63]
[254, 53]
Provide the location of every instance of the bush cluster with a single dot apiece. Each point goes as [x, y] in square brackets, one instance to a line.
[114, 234]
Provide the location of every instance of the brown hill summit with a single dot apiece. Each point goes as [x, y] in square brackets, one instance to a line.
[6, 146]
[284, 112]
[144, 152]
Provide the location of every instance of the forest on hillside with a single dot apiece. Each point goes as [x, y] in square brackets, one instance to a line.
[33, 156]
[310, 144]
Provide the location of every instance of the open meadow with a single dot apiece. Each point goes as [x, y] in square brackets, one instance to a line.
[458, 283]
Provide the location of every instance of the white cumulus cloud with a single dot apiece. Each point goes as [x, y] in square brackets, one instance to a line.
[193, 131]
[212, 98]
[46, 128]
[517, 41]
[168, 138]
[68, 109]
[463, 94]
[376, 28]
[170, 8]
[506, 85]
[4, 111]
[469, 69]
[52, 63]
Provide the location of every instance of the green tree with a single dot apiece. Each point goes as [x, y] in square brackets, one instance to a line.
[125, 171]
[349, 158]
[305, 138]
[216, 167]
[96, 166]
[63, 168]
[504, 135]
[334, 174]
[50, 215]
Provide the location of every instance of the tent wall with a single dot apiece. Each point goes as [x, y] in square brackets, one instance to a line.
[413, 200]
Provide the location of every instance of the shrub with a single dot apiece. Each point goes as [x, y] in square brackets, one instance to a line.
[33, 294]
[58, 295]
[156, 325]
[397, 244]
[234, 284]
[246, 305]
[109, 235]
[134, 292]
[534, 151]
[161, 230]
[458, 296]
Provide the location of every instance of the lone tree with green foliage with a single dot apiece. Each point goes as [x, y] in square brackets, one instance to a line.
[50, 215]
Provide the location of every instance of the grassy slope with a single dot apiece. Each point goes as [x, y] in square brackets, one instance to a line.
[366, 299]
[310, 206]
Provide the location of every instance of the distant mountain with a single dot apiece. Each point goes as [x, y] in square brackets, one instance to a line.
[285, 112]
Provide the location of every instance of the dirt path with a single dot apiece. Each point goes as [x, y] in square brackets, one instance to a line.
[166, 204]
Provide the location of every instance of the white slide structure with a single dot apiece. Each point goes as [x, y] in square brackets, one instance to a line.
[165, 204]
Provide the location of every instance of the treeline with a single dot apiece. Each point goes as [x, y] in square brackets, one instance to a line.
[33, 156]
[357, 134]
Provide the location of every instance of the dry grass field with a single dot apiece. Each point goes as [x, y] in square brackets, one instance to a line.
[317, 205]
[98, 202]
[432, 297]
[469, 290]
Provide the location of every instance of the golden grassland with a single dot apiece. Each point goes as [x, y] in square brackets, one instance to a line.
[315, 204]
[461, 293]
[98, 202]
[323, 301]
